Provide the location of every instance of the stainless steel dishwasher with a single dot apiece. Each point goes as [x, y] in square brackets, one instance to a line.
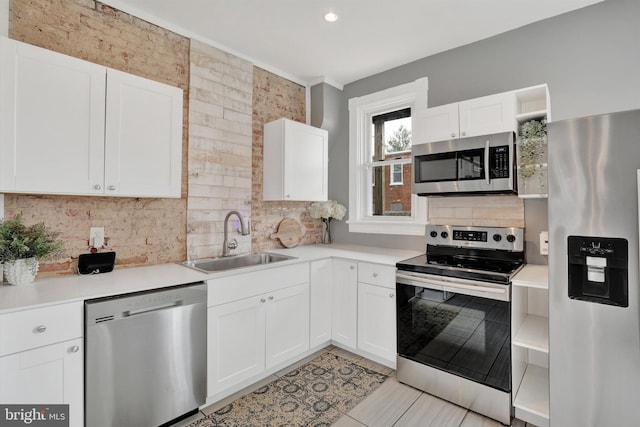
[145, 356]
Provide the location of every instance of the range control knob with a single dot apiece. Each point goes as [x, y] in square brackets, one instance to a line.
[497, 237]
[434, 234]
[444, 234]
[511, 238]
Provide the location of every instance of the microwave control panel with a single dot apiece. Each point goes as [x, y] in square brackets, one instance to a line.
[499, 161]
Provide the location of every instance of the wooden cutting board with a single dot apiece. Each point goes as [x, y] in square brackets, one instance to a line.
[289, 233]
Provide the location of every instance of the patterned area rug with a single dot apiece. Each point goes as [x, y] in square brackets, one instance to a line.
[315, 394]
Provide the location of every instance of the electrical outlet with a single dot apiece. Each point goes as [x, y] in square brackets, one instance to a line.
[96, 237]
[544, 243]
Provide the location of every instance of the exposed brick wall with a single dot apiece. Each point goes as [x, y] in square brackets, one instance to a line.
[220, 114]
[275, 97]
[141, 231]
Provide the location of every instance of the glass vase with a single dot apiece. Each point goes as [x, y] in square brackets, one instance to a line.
[326, 230]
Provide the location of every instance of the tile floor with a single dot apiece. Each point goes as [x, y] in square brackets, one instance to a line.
[392, 404]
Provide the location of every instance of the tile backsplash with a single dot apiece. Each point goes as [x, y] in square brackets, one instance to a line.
[489, 211]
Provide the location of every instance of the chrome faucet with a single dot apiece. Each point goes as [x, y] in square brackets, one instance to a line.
[233, 244]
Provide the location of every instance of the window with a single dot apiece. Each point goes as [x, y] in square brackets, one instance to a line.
[396, 175]
[380, 128]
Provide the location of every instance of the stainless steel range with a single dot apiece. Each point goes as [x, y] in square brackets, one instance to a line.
[454, 316]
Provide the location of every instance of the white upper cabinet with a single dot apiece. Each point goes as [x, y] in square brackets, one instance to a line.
[72, 127]
[295, 161]
[52, 110]
[436, 124]
[143, 138]
[475, 117]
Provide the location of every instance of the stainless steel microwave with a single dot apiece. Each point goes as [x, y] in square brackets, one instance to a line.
[480, 165]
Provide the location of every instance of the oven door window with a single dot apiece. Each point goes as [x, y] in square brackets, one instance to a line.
[463, 335]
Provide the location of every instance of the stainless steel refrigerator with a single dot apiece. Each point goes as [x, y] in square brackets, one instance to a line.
[594, 321]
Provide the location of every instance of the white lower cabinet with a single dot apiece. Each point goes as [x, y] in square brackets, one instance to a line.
[344, 303]
[320, 290]
[377, 321]
[377, 311]
[236, 344]
[42, 358]
[46, 375]
[287, 324]
[248, 335]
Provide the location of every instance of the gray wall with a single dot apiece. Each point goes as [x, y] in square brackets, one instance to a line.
[590, 58]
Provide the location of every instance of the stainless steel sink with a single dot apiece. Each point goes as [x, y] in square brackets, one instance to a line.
[210, 265]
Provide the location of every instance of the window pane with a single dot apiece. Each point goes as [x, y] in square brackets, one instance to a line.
[391, 197]
[396, 174]
[397, 135]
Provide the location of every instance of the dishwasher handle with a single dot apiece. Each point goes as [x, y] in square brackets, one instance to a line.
[172, 304]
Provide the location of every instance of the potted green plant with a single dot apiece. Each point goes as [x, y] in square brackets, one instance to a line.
[532, 152]
[21, 247]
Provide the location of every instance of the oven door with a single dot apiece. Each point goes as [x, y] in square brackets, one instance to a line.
[456, 325]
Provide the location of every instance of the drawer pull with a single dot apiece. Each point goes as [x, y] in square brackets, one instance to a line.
[74, 349]
[375, 274]
[271, 298]
[263, 300]
[39, 329]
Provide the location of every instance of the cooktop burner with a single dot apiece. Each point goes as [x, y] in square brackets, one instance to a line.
[488, 254]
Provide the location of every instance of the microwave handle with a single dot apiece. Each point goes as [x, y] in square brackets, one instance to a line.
[487, 169]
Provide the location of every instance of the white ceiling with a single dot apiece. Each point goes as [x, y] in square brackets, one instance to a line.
[290, 37]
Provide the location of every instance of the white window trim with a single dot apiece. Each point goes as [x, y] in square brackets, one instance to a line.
[392, 173]
[361, 109]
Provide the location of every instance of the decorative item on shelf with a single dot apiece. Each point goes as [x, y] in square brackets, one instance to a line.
[21, 246]
[327, 211]
[532, 149]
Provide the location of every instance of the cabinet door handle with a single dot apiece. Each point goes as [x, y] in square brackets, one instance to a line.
[352, 267]
[391, 295]
[375, 274]
[112, 187]
[453, 134]
[464, 133]
[97, 187]
[74, 349]
[263, 300]
[271, 298]
[40, 329]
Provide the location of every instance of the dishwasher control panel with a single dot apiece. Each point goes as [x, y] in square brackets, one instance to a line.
[102, 310]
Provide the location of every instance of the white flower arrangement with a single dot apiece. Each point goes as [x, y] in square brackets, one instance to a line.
[327, 210]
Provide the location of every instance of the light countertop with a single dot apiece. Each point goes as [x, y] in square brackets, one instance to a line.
[70, 288]
[532, 276]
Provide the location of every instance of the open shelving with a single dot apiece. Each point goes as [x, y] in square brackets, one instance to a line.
[530, 344]
[532, 104]
[532, 400]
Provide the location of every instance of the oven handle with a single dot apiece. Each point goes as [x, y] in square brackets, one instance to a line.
[495, 293]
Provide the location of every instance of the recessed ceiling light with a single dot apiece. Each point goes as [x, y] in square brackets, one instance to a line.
[330, 17]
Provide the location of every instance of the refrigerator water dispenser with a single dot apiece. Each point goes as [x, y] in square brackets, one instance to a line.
[598, 270]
